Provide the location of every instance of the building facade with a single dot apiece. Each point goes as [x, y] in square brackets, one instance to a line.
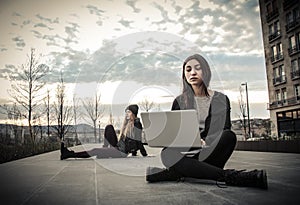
[280, 20]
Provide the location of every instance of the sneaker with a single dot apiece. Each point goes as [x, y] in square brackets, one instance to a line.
[155, 174]
[65, 153]
[254, 178]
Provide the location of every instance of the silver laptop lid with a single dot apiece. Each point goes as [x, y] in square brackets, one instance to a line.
[178, 128]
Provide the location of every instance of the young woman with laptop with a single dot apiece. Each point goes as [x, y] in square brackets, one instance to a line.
[213, 112]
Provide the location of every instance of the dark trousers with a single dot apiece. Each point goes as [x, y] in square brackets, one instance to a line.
[110, 136]
[210, 168]
[109, 149]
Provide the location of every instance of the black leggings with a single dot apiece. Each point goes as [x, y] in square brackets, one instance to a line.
[210, 168]
[110, 136]
[109, 149]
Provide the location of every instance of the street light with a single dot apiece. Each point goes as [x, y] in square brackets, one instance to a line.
[99, 132]
[249, 131]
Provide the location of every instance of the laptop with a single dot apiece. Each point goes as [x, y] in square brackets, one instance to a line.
[178, 128]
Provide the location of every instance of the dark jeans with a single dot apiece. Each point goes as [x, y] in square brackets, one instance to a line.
[210, 168]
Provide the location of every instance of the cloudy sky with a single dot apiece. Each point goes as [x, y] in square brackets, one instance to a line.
[132, 49]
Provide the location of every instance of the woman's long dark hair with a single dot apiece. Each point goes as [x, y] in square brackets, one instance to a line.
[188, 92]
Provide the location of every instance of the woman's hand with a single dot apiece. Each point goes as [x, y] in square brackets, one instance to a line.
[203, 143]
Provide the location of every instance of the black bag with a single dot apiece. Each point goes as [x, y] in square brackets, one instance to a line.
[131, 145]
[122, 145]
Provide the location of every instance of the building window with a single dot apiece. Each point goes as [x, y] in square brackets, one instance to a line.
[288, 122]
[279, 116]
[289, 18]
[284, 95]
[295, 116]
[289, 115]
[276, 53]
[274, 31]
[292, 19]
[272, 10]
[294, 42]
[297, 91]
[295, 72]
[277, 96]
[279, 75]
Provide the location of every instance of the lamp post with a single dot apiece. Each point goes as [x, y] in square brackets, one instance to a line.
[249, 131]
[99, 132]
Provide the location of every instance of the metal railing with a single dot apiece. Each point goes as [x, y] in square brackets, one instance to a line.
[285, 102]
[279, 80]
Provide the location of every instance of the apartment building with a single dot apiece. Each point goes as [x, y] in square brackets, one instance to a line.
[280, 20]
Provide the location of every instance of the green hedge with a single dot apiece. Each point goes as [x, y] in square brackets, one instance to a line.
[14, 152]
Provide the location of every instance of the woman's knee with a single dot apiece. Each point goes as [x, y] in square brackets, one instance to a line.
[229, 136]
[109, 129]
[170, 157]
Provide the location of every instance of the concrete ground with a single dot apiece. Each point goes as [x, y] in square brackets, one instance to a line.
[44, 179]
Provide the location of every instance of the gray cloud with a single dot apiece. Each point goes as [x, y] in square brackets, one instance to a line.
[132, 3]
[98, 12]
[48, 20]
[94, 10]
[229, 27]
[2, 49]
[176, 7]
[72, 30]
[16, 14]
[233, 70]
[19, 41]
[156, 58]
[8, 71]
[140, 57]
[164, 14]
[125, 23]
[42, 25]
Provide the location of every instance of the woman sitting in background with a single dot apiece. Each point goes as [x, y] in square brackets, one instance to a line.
[130, 140]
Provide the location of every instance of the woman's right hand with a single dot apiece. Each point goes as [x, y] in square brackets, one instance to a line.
[203, 143]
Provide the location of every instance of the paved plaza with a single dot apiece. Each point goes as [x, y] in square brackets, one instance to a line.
[44, 179]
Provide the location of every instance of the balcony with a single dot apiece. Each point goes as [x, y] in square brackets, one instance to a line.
[274, 35]
[292, 25]
[293, 101]
[276, 58]
[271, 15]
[295, 74]
[277, 104]
[285, 102]
[279, 80]
[294, 49]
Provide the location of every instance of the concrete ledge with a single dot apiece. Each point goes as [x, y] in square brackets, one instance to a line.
[288, 146]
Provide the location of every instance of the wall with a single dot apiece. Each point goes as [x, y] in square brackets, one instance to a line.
[289, 146]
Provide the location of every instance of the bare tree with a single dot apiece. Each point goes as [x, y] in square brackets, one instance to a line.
[62, 112]
[26, 88]
[13, 115]
[94, 111]
[147, 104]
[47, 103]
[243, 111]
[75, 116]
[111, 119]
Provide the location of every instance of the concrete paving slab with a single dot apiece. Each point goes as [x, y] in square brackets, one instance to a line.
[44, 179]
